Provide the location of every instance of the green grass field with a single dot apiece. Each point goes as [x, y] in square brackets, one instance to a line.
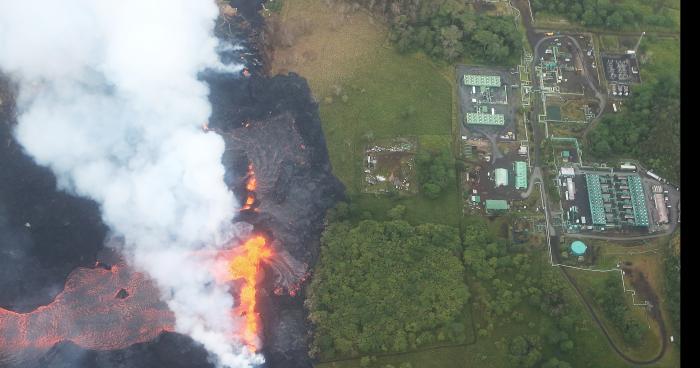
[650, 345]
[659, 55]
[383, 102]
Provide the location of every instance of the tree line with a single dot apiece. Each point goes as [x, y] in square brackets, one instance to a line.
[448, 29]
[606, 13]
[648, 127]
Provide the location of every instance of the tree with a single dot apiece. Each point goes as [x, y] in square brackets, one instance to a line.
[397, 213]
[525, 351]
[555, 363]
[431, 190]
[435, 171]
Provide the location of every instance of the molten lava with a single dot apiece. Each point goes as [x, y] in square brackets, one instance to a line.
[99, 309]
[246, 266]
[251, 185]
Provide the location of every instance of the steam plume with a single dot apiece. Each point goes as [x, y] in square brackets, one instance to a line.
[110, 101]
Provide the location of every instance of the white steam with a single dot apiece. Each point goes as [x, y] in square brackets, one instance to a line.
[110, 101]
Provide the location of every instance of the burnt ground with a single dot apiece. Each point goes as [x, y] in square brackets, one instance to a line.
[285, 143]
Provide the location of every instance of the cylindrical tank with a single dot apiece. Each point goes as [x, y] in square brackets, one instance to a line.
[578, 248]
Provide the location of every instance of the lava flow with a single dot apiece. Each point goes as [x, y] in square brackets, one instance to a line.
[99, 309]
[251, 185]
[246, 266]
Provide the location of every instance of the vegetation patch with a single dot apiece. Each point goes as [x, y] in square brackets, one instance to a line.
[614, 15]
[448, 30]
[672, 278]
[387, 286]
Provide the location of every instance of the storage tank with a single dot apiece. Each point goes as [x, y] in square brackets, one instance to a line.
[578, 248]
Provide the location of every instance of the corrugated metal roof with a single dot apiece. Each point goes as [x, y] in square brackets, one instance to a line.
[476, 118]
[501, 177]
[595, 199]
[641, 217]
[482, 80]
[520, 175]
[496, 204]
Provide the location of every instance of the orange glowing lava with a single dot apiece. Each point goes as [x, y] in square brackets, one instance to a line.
[251, 185]
[246, 266]
[98, 309]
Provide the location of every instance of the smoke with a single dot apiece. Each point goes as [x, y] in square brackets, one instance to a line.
[110, 101]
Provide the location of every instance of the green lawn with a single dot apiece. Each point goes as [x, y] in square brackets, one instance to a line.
[659, 55]
[396, 95]
[650, 345]
[400, 95]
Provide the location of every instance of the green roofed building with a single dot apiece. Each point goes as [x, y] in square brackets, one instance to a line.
[482, 80]
[520, 175]
[476, 118]
[595, 199]
[639, 208]
[501, 177]
[496, 205]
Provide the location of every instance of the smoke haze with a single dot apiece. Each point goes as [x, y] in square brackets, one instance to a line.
[110, 101]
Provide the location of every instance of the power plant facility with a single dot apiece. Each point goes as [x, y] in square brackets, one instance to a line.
[486, 94]
[610, 201]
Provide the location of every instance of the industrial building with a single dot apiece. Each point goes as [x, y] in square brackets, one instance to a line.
[482, 80]
[661, 209]
[570, 189]
[616, 200]
[496, 205]
[501, 177]
[595, 199]
[567, 171]
[478, 118]
[639, 207]
[520, 168]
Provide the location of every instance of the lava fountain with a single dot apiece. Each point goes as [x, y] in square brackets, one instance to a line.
[247, 267]
[251, 185]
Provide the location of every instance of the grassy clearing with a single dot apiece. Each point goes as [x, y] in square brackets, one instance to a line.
[331, 48]
[650, 345]
[609, 43]
[365, 88]
[659, 55]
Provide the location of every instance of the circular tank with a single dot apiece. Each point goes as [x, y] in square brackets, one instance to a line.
[578, 248]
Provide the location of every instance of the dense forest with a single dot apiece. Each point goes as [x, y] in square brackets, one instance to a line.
[386, 286]
[448, 29]
[647, 128]
[605, 13]
[435, 172]
[510, 276]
